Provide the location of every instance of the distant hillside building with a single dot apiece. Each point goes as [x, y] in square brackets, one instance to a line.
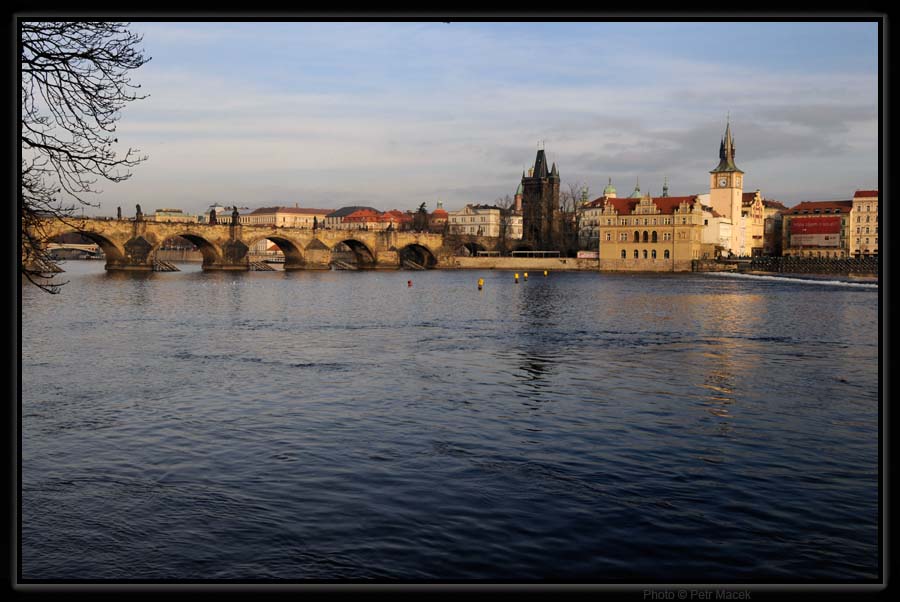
[173, 215]
[437, 220]
[285, 217]
[335, 219]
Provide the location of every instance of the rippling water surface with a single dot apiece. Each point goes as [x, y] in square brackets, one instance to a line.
[342, 425]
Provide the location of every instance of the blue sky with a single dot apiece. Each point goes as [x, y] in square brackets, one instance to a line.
[395, 114]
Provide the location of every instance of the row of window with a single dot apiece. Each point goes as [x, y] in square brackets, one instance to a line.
[652, 254]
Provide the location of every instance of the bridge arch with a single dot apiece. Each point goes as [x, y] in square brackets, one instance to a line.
[293, 254]
[365, 258]
[418, 254]
[211, 253]
[470, 248]
[110, 249]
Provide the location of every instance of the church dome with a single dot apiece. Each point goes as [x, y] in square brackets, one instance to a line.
[610, 189]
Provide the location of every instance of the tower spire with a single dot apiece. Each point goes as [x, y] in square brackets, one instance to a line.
[726, 151]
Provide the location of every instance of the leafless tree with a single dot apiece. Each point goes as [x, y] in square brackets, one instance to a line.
[571, 201]
[507, 209]
[74, 82]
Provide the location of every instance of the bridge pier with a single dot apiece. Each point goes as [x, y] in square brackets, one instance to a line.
[316, 259]
[387, 260]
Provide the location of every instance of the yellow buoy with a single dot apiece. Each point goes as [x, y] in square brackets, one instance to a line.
[480, 283]
[517, 278]
[545, 272]
[526, 275]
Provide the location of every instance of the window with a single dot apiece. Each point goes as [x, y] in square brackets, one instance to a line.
[637, 237]
[653, 238]
[635, 253]
[653, 254]
[623, 253]
[608, 236]
[666, 254]
[645, 237]
[645, 253]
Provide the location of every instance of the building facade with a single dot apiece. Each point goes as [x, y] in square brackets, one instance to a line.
[864, 224]
[285, 217]
[335, 219]
[753, 223]
[772, 224]
[662, 234]
[485, 220]
[173, 215]
[817, 229]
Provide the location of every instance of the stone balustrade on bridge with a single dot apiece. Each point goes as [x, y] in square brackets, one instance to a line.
[133, 244]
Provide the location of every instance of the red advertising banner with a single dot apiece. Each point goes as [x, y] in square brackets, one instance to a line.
[815, 240]
[816, 225]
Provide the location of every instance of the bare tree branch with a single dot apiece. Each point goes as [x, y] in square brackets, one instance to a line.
[74, 83]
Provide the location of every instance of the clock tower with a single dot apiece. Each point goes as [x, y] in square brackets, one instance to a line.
[726, 186]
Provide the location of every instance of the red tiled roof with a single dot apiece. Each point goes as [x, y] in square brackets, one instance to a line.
[865, 193]
[773, 204]
[298, 210]
[625, 205]
[810, 206]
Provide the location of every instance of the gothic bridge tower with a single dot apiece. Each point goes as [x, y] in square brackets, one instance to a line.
[540, 205]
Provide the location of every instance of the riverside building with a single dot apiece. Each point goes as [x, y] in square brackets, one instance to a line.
[485, 220]
[662, 234]
[864, 224]
[817, 229]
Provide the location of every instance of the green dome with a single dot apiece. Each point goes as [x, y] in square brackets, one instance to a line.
[610, 189]
[637, 191]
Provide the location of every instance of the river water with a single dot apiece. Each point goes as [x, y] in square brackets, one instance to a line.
[579, 427]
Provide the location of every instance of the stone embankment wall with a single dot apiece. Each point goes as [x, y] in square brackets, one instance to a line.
[534, 264]
[711, 265]
[813, 265]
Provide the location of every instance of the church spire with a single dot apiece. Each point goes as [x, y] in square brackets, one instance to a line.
[726, 152]
[666, 186]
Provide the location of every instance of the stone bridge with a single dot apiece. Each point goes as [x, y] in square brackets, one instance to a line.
[132, 244]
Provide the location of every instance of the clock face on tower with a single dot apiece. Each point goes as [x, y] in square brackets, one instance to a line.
[723, 182]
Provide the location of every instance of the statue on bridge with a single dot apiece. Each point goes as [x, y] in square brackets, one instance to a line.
[138, 216]
[212, 217]
[234, 215]
[119, 213]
